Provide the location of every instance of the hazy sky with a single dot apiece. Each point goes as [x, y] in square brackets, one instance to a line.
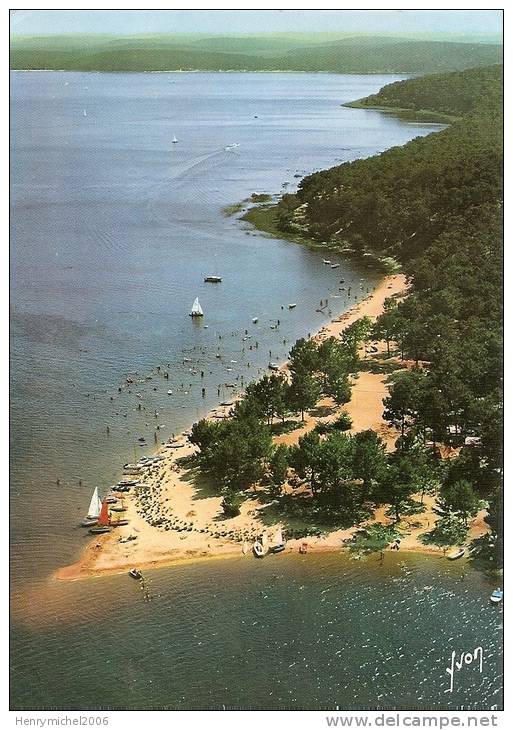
[43, 22]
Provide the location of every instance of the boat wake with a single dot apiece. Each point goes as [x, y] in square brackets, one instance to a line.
[174, 199]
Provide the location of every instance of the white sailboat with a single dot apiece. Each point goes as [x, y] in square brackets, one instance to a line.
[174, 140]
[85, 113]
[95, 506]
[196, 310]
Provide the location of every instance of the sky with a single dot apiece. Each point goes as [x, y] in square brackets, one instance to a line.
[123, 22]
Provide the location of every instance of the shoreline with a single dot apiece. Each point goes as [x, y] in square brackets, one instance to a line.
[408, 74]
[212, 536]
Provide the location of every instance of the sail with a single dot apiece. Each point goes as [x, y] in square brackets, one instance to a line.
[278, 537]
[94, 505]
[196, 308]
[174, 138]
[103, 519]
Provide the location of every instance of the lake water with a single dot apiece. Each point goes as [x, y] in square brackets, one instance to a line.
[113, 229]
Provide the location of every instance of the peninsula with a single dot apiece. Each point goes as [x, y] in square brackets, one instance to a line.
[382, 431]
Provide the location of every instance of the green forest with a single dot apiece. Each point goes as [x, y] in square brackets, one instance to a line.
[434, 206]
[335, 53]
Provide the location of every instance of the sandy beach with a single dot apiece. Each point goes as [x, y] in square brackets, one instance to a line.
[187, 519]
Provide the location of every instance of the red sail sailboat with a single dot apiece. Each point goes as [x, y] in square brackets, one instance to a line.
[103, 520]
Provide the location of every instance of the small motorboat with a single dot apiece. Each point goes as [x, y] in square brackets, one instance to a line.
[497, 596]
[273, 366]
[118, 523]
[170, 392]
[326, 262]
[456, 554]
[254, 320]
[258, 549]
[232, 146]
[335, 266]
[291, 306]
[136, 574]
[111, 500]
[99, 529]
[213, 279]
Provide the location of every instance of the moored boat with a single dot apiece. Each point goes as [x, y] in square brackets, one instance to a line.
[87, 522]
[497, 596]
[196, 310]
[103, 521]
[213, 279]
[134, 573]
[95, 505]
[273, 366]
[99, 529]
[291, 306]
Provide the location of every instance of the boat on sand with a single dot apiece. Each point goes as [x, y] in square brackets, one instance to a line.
[258, 549]
[278, 545]
[103, 521]
[456, 554]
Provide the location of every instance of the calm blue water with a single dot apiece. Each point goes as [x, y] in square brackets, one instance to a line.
[113, 229]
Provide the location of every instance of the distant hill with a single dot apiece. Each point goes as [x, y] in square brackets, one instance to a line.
[283, 52]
